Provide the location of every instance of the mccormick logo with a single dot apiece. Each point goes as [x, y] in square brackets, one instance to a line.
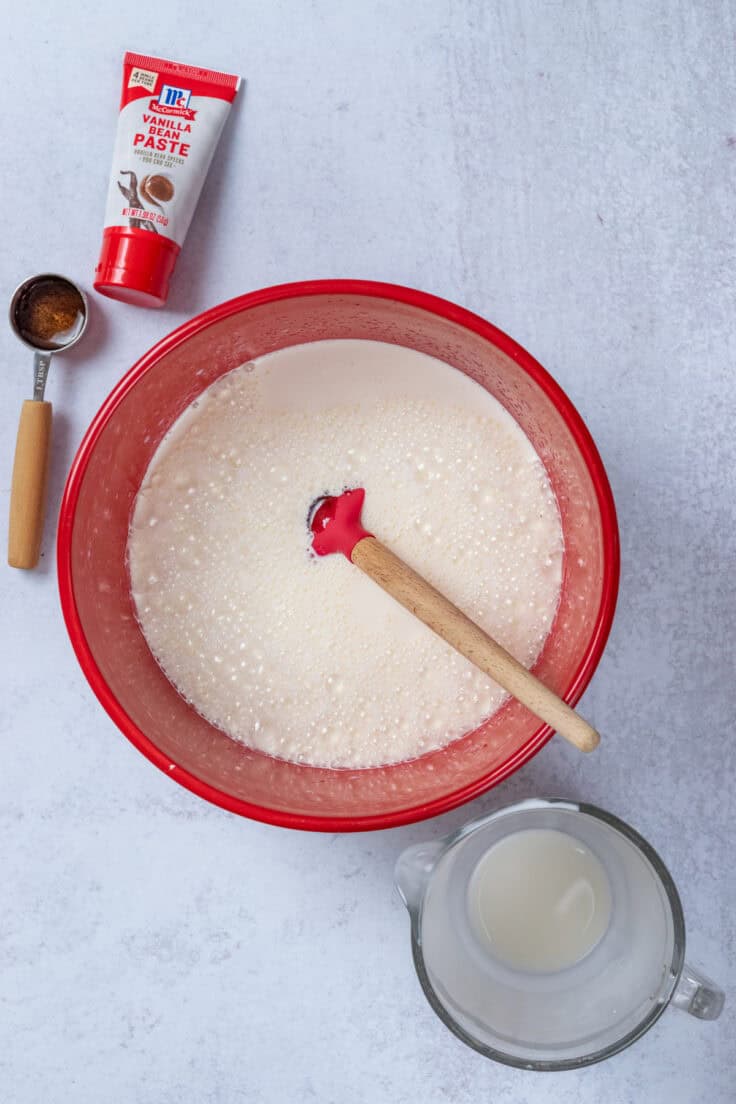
[173, 101]
[174, 97]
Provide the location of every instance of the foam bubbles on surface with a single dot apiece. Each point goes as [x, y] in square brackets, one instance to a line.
[305, 658]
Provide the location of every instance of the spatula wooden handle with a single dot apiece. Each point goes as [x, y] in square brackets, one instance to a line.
[28, 492]
[445, 619]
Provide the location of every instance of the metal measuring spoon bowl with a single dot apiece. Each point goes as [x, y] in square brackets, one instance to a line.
[49, 315]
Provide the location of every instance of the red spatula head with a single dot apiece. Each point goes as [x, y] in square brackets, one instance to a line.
[336, 524]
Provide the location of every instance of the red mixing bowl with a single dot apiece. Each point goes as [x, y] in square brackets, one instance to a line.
[95, 590]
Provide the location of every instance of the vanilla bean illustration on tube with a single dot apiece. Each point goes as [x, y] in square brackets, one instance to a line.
[131, 194]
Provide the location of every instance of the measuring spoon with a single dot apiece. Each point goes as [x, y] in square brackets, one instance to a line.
[49, 314]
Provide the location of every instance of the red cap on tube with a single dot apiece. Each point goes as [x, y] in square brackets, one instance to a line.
[135, 266]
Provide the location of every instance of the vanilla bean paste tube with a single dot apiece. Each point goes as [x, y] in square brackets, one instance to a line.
[171, 117]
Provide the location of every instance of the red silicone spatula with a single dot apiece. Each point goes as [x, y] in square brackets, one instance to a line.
[336, 527]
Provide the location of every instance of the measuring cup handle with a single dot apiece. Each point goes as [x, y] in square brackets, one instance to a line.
[28, 492]
[698, 995]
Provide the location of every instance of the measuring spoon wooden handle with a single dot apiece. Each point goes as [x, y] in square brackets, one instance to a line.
[28, 491]
[439, 614]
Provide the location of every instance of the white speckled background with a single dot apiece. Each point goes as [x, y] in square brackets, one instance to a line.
[565, 169]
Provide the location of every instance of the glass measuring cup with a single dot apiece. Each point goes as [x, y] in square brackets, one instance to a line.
[558, 1019]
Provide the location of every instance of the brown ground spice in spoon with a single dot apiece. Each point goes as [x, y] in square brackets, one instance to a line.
[49, 313]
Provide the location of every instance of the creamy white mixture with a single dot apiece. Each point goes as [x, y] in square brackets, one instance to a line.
[305, 657]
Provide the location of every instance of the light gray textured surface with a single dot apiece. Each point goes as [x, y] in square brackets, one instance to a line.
[568, 171]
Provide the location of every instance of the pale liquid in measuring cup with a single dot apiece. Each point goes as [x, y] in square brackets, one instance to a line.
[540, 900]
